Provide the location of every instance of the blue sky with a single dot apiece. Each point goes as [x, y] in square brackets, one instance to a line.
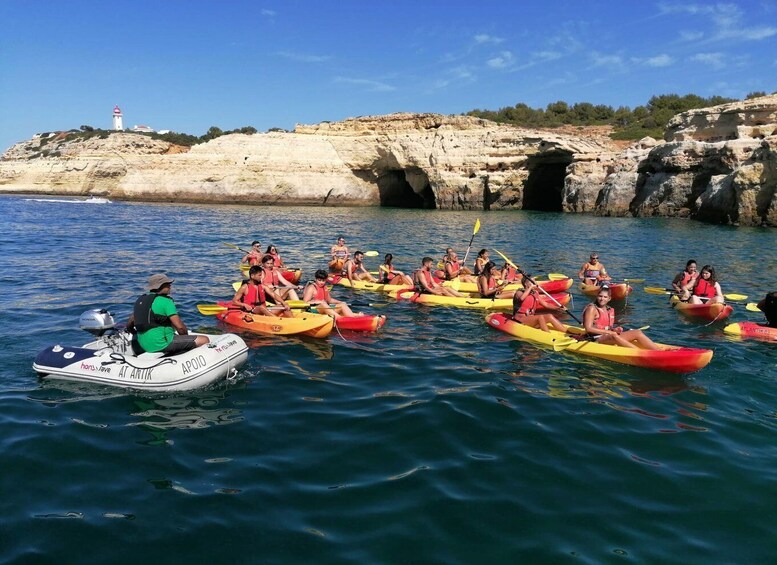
[190, 65]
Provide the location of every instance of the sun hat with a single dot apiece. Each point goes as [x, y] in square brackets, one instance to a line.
[155, 282]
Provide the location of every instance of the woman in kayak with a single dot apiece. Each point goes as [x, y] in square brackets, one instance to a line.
[424, 281]
[593, 272]
[272, 250]
[599, 324]
[487, 285]
[317, 294]
[387, 274]
[253, 257]
[705, 289]
[339, 253]
[526, 302]
[252, 296]
[685, 277]
[480, 262]
[769, 307]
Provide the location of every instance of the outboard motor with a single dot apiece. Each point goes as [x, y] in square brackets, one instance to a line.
[97, 322]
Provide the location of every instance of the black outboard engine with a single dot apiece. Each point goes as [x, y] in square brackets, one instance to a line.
[97, 322]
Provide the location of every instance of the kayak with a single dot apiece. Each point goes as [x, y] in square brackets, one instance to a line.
[712, 312]
[303, 323]
[551, 287]
[618, 291]
[292, 276]
[110, 360]
[360, 323]
[669, 358]
[365, 285]
[751, 329]
[474, 301]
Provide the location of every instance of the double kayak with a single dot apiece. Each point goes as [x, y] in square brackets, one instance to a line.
[668, 358]
[751, 329]
[475, 301]
[551, 287]
[712, 312]
[293, 276]
[303, 323]
[618, 291]
[365, 285]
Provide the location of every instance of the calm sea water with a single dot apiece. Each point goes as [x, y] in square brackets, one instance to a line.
[439, 440]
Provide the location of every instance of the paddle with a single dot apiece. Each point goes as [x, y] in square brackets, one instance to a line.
[474, 231]
[733, 297]
[546, 293]
[634, 280]
[507, 260]
[752, 307]
[370, 253]
[233, 246]
[237, 284]
[557, 277]
[213, 309]
[562, 343]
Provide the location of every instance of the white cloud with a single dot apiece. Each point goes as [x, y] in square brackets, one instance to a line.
[691, 35]
[603, 60]
[461, 74]
[304, 57]
[503, 60]
[485, 38]
[727, 21]
[369, 85]
[714, 60]
[662, 60]
[268, 13]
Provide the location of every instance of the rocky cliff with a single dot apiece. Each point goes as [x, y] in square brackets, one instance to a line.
[434, 161]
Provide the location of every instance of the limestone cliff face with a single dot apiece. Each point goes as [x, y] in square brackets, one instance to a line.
[435, 161]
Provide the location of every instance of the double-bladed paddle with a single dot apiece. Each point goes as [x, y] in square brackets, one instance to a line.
[471, 239]
[659, 290]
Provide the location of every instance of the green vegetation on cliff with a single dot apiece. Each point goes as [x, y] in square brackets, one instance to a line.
[650, 119]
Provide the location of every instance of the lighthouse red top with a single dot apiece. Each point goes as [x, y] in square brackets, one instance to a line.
[116, 110]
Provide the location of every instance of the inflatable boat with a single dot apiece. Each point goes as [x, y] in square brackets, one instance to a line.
[110, 360]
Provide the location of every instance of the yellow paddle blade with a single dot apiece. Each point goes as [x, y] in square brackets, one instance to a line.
[507, 260]
[634, 280]
[657, 290]
[210, 309]
[455, 284]
[237, 285]
[477, 227]
[298, 304]
[370, 253]
[557, 276]
[562, 343]
[735, 297]
[752, 307]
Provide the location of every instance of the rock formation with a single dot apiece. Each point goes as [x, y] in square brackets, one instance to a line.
[717, 165]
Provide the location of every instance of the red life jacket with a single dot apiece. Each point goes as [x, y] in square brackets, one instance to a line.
[428, 276]
[704, 289]
[605, 323]
[254, 295]
[686, 278]
[270, 277]
[454, 268]
[527, 306]
[320, 292]
[277, 259]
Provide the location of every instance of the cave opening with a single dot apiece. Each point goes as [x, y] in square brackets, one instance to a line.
[405, 188]
[545, 183]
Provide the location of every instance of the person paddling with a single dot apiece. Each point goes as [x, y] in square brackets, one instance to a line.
[253, 257]
[156, 322]
[685, 277]
[705, 289]
[387, 274]
[424, 281]
[316, 293]
[526, 302]
[487, 285]
[768, 305]
[252, 295]
[599, 324]
[593, 272]
[273, 279]
[354, 269]
[340, 254]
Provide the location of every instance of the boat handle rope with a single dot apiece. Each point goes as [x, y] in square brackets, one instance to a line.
[119, 358]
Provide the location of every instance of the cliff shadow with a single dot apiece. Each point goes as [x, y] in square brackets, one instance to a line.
[403, 188]
[543, 188]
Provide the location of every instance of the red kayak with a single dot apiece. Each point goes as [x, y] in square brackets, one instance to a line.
[713, 312]
[618, 291]
[751, 329]
[360, 323]
[546, 303]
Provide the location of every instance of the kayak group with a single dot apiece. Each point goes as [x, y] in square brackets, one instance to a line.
[268, 301]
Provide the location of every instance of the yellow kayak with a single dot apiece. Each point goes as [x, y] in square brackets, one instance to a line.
[465, 302]
[303, 323]
[551, 287]
[366, 285]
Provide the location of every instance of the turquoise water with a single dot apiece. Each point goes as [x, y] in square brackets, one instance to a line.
[439, 440]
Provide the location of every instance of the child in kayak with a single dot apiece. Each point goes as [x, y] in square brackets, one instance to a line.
[316, 293]
[487, 285]
[685, 277]
[593, 272]
[387, 274]
[705, 289]
[525, 302]
[599, 323]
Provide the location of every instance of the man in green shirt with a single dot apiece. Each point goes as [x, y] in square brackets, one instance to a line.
[156, 321]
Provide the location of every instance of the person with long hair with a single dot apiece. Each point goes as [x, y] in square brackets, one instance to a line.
[705, 289]
[599, 324]
[488, 286]
[525, 304]
[387, 274]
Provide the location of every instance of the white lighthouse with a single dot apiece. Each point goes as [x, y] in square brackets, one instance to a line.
[117, 119]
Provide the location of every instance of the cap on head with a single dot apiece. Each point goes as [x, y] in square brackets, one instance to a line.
[157, 281]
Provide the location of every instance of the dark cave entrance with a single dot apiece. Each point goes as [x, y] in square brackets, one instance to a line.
[408, 188]
[545, 184]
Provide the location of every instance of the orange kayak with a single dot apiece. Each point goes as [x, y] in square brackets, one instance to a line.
[303, 323]
[618, 291]
[711, 312]
[751, 329]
